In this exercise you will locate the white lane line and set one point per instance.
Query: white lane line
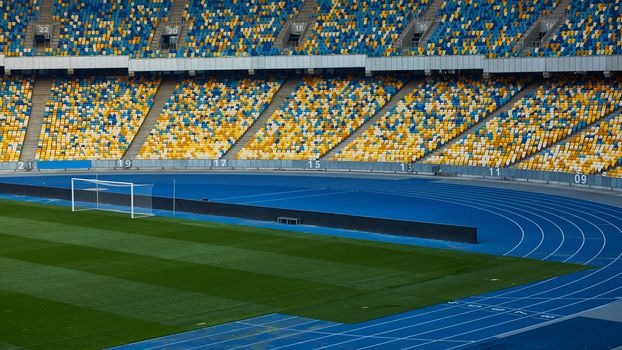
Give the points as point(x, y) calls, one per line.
point(267, 330)
point(213, 334)
point(604, 243)
point(421, 314)
point(510, 321)
point(550, 202)
point(408, 317)
point(319, 331)
point(268, 194)
point(494, 200)
point(542, 302)
point(298, 197)
point(520, 197)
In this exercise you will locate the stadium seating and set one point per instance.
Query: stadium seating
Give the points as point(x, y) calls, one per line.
point(107, 27)
point(94, 118)
point(591, 151)
point(319, 115)
point(13, 23)
point(554, 111)
point(236, 27)
point(205, 117)
point(360, 27)
point(489, 27)
point(594, 27)
point(615, 172)
point(434, 113)
point(15, 106)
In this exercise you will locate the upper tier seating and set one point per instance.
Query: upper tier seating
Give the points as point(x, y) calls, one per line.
point(360, 27)
point(236, 27)
point(370, 27)
point(430, 116)
point(615, 172)
point(594, 27)
point(15, 106)
point(591, 151)
point(490, 27)
point(554, 111)
point(13, 24)
point(318, 115)
point(94, 118)
point(205, 117)
point(107, 27)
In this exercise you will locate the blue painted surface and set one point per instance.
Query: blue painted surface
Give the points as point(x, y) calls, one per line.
point(510, 222)
point(64, 164)
point(574, 334)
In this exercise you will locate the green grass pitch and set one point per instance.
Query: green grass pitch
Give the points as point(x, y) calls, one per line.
point(92, 279)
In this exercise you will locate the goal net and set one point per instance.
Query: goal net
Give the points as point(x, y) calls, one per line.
point(123, 197)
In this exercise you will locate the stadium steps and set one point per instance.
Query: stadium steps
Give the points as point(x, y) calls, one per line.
point(428, 33)
point(165, 90)
point(528, 90)
point(46, 10)
point(548, 19)
point(429, 21)
point(403, 92)
point(29, 41)
point(403, 40)
point(305, 15)
point(604, 119)
point(431, 14)
point(558, 12)
point(522, 43)
point(286, 90)
point(280, 38)
point(175, 16)
point(40, 96)
point(45, 16)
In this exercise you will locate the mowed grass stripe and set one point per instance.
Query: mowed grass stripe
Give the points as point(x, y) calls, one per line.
point(144, 301)
point(255, 261)
point(35, 323)
point(6, 346)
point(322, 248)
point(242, 286)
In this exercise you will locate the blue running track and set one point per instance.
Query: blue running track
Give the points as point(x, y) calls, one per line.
point(510, 222)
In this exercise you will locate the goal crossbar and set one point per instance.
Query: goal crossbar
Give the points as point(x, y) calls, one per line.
point(116, 196)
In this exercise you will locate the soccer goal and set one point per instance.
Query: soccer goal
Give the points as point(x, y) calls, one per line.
point(122, 197)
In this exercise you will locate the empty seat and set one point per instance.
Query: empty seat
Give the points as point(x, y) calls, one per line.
point(94, 118)
point(593, 27)
point(318, 116)
point(107, 27)
point(485, 27)
point(434, 113)
point(367, 27)
point(593, 150)
point(15, 109)
point(554, 111)
point(205, 117)
point(236, 28)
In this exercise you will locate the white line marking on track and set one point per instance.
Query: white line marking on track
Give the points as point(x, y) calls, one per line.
point(269, 194)
point(298, 197)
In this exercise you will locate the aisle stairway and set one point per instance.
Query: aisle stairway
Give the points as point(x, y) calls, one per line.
point(405, 90)
point(287, 88)
point(166, 89)
point(40, 97)
point(529, 89)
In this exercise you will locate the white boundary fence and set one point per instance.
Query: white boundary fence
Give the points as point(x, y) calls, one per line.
point(506, 174)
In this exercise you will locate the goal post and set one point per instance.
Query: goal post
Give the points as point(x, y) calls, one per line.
point(123, 197)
